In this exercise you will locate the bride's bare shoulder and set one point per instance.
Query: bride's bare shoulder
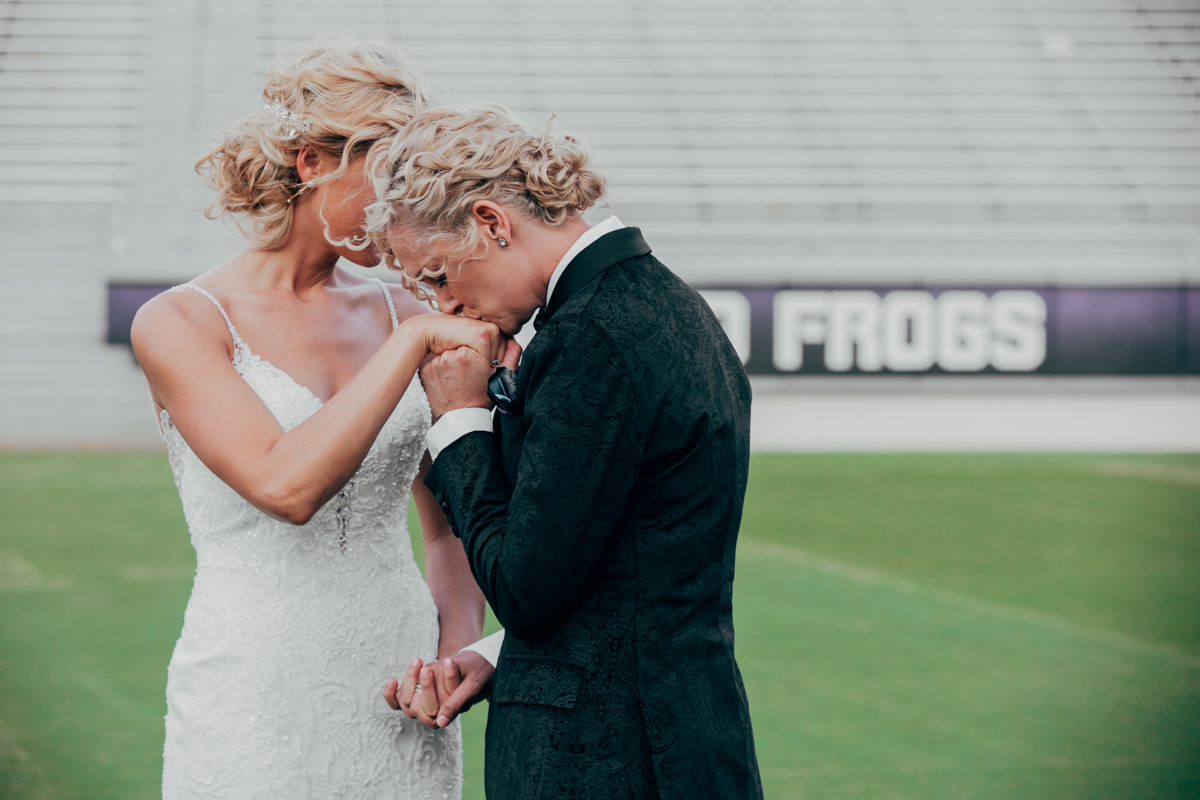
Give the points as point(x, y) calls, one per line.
point(407, 305)
point(366, 289)
point(177, 308)
point(175, 318)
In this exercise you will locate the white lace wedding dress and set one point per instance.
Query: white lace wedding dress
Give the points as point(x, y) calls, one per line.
point(275, 686)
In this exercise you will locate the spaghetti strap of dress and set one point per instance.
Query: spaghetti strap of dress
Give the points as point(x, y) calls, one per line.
point(387, 295)
point(238, 343)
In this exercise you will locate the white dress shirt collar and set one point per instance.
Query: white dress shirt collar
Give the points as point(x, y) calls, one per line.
point(590, 235)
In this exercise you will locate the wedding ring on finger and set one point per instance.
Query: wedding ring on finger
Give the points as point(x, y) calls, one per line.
point(417, 689)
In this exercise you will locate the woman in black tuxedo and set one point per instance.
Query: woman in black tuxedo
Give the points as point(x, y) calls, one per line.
point(600, 511)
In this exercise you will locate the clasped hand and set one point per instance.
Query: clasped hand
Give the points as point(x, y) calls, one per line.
point(446, 688)
point(458, 378)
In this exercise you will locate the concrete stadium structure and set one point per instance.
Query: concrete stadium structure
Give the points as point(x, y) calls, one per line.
point(993, 143)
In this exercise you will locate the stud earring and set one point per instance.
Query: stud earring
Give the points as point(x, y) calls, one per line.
point(503, 242)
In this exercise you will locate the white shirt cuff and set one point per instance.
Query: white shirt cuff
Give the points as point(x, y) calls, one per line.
point(455, 424)
point(488, 646)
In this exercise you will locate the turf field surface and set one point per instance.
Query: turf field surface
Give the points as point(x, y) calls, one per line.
point(967, 626)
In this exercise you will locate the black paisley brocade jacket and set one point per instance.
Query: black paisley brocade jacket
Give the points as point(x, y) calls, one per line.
point(600, 521)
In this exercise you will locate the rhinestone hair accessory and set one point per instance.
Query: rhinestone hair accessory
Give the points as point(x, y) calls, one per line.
point(290, 121)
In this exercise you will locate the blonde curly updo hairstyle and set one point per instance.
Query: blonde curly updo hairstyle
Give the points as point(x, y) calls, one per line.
point(343, 95)
point(446, 159)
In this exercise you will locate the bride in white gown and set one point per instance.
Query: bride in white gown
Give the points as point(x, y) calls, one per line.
point(295, 427)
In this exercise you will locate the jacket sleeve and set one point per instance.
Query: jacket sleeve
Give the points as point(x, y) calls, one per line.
point(532, 545)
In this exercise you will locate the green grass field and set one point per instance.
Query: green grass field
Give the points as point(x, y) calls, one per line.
point(919, 627)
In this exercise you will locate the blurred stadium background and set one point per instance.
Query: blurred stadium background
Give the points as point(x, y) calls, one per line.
point(944, 225)
point(1050, 146)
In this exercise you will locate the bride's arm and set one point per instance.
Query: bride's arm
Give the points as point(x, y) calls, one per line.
point(459, 601)
point(183, 350)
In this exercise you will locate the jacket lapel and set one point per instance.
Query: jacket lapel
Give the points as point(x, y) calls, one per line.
point(611, 248)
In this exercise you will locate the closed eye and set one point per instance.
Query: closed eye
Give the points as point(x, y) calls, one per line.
point(433, 281)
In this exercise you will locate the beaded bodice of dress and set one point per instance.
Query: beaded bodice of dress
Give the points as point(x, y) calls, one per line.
point(274, 689)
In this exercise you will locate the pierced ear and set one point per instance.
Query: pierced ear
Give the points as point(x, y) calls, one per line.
point(493, 218)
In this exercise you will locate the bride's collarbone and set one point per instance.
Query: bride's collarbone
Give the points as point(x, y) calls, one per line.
point(321, 367)
point(321, 358)
point(320, 340)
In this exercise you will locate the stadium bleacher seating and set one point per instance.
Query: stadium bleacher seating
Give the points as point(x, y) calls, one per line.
point(919, 111)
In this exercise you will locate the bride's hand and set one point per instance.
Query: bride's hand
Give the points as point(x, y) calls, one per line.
point(447, 688)
point(443, 332)
point(419, 694)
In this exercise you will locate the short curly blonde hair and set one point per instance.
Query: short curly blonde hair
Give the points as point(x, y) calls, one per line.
point(343, 95)
point(446, 159)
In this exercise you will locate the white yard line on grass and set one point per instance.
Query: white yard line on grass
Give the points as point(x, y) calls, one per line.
point(157, 574)
point(842, 569)
point(18, 575)
point(1150, 472)
point(97, 688)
